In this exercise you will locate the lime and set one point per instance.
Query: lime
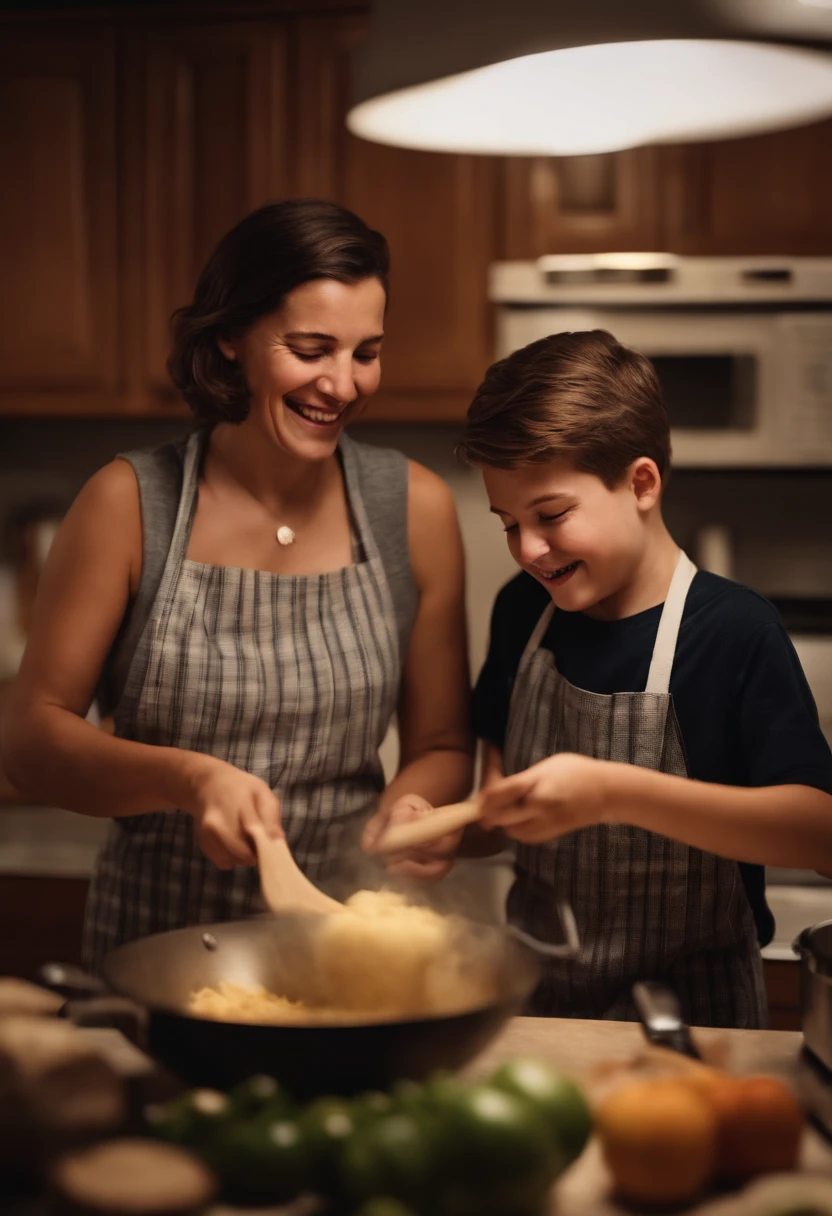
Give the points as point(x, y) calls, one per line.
point(326, 1125)
point(384, 1207)
point(258, 1095)
point(391, 1156)
point(496, 1154)
point(194, 1119)
point(557, 1098)
point(264, 1160)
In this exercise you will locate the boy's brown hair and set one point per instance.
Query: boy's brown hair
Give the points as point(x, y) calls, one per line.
point(579, 396)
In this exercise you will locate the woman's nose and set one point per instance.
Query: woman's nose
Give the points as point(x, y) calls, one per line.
point(338, 382)
point(532, 546)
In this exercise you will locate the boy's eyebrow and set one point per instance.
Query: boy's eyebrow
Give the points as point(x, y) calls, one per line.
point(534, 503)
point(302, 333)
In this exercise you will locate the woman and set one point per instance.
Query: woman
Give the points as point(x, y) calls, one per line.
point(254, 603)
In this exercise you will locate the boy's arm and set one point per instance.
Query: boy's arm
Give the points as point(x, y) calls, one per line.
point(785, 825)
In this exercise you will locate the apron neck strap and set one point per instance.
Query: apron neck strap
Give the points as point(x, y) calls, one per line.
point(661, 664)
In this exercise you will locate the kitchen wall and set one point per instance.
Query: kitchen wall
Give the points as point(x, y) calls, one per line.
point(778, 522)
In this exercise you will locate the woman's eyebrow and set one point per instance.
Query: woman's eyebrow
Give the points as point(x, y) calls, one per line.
point(303, 333)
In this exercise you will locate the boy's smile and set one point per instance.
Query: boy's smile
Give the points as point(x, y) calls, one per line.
point(588, 544)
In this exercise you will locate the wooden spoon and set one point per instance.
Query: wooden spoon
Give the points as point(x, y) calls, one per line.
point(438, 823)
point(285, 887)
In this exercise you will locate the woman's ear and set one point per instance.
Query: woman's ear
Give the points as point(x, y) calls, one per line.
point(646, 481)
point(227, 348)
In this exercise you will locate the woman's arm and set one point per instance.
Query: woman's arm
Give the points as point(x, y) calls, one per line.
point(49, 751)
point(436, 758)
point(784, 825)
point(436, 744)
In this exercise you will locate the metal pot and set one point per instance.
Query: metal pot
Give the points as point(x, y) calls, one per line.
point(814, 947)
point(155, 977)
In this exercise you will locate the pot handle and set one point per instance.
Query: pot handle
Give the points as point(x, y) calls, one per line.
point(90, 1004)
point(568, 948)
point(661, 1017)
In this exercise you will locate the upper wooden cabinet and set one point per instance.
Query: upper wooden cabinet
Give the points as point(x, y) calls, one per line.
point(206, 128)
point(769, 194)
point(59, 250)
point(130, 145)
point(581, 204)
point(438, 213)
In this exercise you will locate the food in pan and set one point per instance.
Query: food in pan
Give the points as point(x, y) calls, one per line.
point(381, 958)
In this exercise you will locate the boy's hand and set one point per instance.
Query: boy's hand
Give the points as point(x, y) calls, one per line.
point(558, 795)
point(429, 862)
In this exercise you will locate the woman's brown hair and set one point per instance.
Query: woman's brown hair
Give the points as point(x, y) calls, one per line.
point(580, 396)
point(249, 274)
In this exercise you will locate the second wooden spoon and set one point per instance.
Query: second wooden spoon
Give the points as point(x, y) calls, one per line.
point(428, 827)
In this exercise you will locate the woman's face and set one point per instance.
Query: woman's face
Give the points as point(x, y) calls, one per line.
point(311, 365)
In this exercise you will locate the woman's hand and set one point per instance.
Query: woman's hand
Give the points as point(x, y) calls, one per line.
point(226, 802)
point(556, 796)
point(430, 862)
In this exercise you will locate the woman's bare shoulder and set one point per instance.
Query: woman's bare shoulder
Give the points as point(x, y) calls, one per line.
point(107, 514)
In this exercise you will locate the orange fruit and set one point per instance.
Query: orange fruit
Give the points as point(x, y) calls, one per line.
point(658, 1139)
point(759, 1126)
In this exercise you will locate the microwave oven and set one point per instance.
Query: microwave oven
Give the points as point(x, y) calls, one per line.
point(742, 346)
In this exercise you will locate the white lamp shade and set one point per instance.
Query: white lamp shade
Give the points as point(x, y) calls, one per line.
point(729, 73)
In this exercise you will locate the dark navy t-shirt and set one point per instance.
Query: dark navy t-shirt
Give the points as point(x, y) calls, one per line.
point(744, 707)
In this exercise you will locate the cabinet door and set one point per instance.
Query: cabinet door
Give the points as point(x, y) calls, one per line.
point(207, 129)
point(581, 204)
point(438, 213)
point(771, 194)
point(59, 339)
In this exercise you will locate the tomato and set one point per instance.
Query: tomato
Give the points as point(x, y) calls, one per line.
point(326, 1125)
point(496, 1155)
point(264, 1159)
point(392, 1156)
point(558, 1100)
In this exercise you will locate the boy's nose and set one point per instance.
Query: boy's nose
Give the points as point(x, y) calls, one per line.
point(532, 547)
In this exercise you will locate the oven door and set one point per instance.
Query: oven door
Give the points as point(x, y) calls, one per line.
point(734, 381)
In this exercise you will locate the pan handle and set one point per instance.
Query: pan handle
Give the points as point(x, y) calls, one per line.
point(661, 1016)
point(90, 1003)
point(70, 981)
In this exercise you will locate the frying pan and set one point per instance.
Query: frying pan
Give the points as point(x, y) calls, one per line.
point(158, 974)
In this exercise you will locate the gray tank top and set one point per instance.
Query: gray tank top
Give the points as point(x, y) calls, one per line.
point(383, 481)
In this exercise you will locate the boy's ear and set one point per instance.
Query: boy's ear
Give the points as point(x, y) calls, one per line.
point(646, 481)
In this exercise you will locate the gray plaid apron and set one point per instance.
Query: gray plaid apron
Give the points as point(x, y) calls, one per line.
point(291, 678)
point(647, 907)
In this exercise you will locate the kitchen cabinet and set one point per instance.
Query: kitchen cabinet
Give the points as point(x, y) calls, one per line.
point(131, 143)
point(206, 135)
point(41, 919)
point(60, 307)
point(581, 204)
point(782, 979)
point(768, 194)
point(438, 213)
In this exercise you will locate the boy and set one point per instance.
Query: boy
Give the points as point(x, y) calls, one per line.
point(616, 673)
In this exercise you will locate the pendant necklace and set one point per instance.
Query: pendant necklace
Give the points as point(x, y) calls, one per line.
point(285, 535)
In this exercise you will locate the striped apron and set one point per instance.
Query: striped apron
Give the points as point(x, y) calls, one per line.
point(647, 907)
point(291, 678)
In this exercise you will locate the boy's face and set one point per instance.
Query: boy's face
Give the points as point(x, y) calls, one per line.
point(580, 539)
